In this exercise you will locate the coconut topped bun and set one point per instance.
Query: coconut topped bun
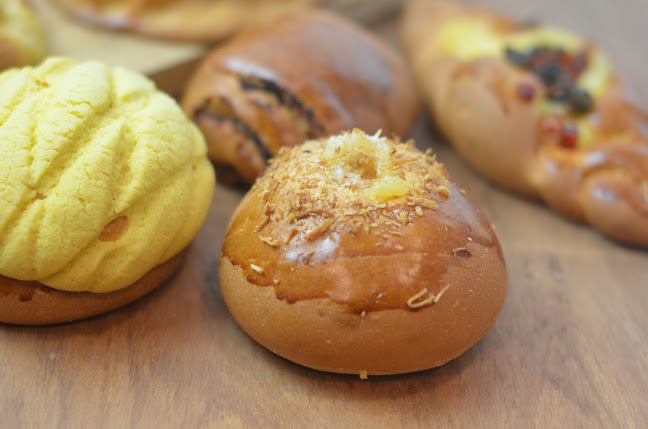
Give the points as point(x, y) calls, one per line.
point(357, 254)
point(102, 177)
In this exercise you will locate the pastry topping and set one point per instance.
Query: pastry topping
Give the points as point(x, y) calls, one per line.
point(441, 293)
point(414, 302)
point(270, 241)
point(564, 133)
point(569, 136)
point(256, 268)
point(350, 183)
point(363, 374)
point(558, 70)
point(443, 192)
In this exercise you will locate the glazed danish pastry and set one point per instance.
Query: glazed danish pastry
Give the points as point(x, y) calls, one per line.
point(537, 110)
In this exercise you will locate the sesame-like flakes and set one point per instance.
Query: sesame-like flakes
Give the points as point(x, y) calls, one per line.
point(316, 194)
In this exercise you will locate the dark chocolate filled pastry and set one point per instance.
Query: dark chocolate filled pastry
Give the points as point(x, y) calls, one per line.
point(307, 76)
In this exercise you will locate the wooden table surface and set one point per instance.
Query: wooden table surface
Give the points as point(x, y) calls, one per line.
point(570, 348)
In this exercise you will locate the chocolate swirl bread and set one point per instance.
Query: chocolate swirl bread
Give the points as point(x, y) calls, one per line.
point(308, 76)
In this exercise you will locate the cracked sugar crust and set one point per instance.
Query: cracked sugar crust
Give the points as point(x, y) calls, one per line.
point(84, 145)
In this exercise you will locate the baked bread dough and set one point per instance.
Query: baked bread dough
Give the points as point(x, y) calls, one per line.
point(310, 75)
point(356, 254)
point(109, 182)
point(188, 20)
point(22, 35)
point(537, 110)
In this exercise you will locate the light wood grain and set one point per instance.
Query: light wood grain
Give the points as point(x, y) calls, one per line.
point(570, 348)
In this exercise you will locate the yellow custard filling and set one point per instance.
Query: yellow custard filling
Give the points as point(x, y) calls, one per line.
point(472, 38)
point(366, 159)
point(102, 177)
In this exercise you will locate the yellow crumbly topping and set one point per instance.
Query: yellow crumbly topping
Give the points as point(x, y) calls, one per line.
point(20, 27)
point(351, 182)
point(102, 177)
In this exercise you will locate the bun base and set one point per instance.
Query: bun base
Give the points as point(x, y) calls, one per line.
point(32, 303)
point(326, 336)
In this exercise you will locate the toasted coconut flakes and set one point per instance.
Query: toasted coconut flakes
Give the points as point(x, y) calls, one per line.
point(432, 205)
point(444, 192)
point(256, 268)
point(315, 184)
point(269, 241)
point(363, 374)
point(363, 314)
point(263, 223)
point(290, 235)
point(318, 230)
point(413, 302)
point(441, 292)
point(470, 239)
point(275, 281)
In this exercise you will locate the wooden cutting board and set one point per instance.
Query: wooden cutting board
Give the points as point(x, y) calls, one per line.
point(570, 348)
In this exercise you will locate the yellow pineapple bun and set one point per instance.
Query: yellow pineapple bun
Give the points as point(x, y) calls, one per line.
point(103, 183)
point(22, 36)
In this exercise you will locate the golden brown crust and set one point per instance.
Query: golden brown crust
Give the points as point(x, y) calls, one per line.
point(31, 303)
point(327, 336)
point(477, 106)
point(313, 74)
point(186, 20)
point(22, 36)
point(346, 284)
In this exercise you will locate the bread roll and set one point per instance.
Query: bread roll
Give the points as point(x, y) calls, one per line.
point(103, 182)
point(537, 110)
point(356, 254)
point(186, 20)
point(309, 75)
point(22, 35)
